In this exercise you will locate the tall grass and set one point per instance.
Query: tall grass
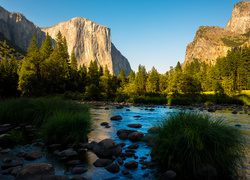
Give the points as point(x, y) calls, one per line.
point(187, 141)
point(35, 111)
point(67, 128)
point(48, 114)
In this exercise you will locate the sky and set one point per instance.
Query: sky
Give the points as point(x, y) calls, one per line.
point(147, 32)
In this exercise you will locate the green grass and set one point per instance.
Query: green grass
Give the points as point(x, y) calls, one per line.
point(44, 113)
point(188, 140)
point(67, 128)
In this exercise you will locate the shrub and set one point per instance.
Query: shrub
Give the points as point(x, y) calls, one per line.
point(180, 100)
point(67, 128)
point(187, 141)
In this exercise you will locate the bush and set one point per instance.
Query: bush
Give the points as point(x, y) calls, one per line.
point(187, 141)
point(67, 128)
point(180, 100)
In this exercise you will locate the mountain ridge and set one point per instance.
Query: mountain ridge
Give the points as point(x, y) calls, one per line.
point(211, 42)
point(89, 40)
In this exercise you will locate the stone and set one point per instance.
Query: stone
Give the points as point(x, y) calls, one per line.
point(170, 174)
point(106, 108)
point(16, 170)
point(234, 112)
point(5, 128)
point(237, 125)
point(34, 169)
point(119, 107)
point(21, 153)
point(120, 161)
point(107, 148)
point(126, 131)
point(104, 124)
point(152, 130)
point(135, 125)
point(9, 170)
point(131, 165)
point(135, 136)
point(34, 155)
point(116, 118)
point(125, 172)
point(102, 162)
point(113, 167)
point(13, 163)
point(145, 175)
point(6, 160)
point(133, 146)
point(79, 177)
point(79, 170)
point(211, 110)
point(138, 116)
point(67, 153)
point(74, 162)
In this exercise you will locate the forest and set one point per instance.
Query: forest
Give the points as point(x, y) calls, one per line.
point(50, 71)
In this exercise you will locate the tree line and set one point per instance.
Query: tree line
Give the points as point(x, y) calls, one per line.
point(49, 70)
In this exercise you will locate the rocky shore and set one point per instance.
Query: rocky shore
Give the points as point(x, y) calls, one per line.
point(29, 161)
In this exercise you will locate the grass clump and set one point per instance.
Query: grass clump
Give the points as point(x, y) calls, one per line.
point(67, 128)
point(187, 141)
point(67, 119)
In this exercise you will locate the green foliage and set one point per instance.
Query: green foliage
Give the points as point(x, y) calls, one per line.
point(233, 41)
point(148, 100)
point(35, 111)
point(54, 117)
point(176, 100)
point(187, 141)
point(77, 126)
point(92, 92)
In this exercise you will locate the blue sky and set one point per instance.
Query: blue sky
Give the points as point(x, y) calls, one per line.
point(148, 32)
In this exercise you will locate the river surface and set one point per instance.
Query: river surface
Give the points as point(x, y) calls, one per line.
point(147, 119)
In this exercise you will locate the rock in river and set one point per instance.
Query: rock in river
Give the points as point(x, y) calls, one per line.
point(107, 148)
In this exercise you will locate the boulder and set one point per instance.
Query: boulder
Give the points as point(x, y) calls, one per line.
point(116, 118)
point(67, 153)
point(5, 128)
point(113, 167)
point(107, 148)
point(133, 146)
point(79, 170)
point(21, 153)
point(131, 165)
point(135, 136)
point(13, 163)
point(34, 155)
point(135, 125)
point(102, 162)
point(30, 171)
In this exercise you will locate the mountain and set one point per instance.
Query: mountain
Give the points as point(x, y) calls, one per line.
point(89, 40)
point(211, 42)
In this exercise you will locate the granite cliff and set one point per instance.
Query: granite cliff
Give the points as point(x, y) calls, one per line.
point(89, 40)
point(211, 42)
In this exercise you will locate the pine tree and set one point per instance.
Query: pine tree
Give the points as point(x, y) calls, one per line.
point(152, 85)
point(122, 78)
point(46, 48)
point(30, 73)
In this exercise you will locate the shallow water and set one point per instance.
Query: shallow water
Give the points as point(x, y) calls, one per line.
point(147, 119)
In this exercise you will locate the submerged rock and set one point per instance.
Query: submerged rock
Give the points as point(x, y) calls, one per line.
point(116, 118)
point(34, 155)
point(30, 171)
point(102, 162)
point(107, 148)
point(113, 168)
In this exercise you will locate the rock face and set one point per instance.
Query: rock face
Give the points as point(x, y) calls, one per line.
point(240, 21)
point(15, 27)
point(89, 40)
point(211, 42)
